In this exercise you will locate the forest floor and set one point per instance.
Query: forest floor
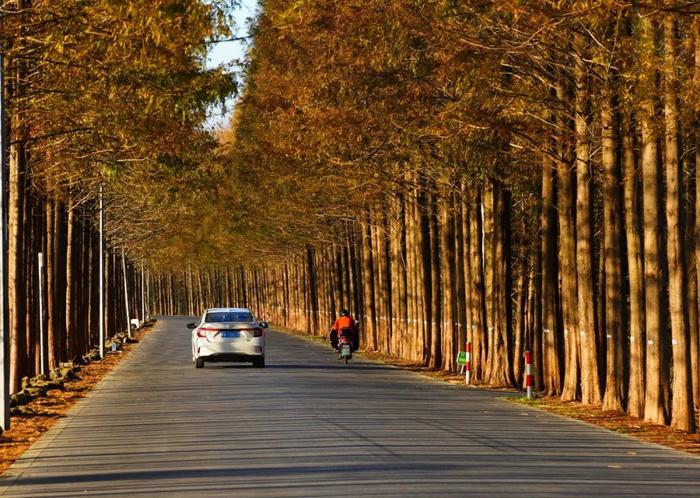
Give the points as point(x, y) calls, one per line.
point(614, 421)
point(26, 429)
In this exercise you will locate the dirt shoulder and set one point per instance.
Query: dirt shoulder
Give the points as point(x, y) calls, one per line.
point(614, 421)
point(619, 422)
point(44, 412)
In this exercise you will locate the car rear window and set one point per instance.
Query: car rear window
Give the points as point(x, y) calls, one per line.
point(228, 316)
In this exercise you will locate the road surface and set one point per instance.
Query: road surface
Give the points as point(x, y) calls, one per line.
point(308, 425)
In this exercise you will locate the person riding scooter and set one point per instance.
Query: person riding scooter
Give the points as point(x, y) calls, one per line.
point(345, 330)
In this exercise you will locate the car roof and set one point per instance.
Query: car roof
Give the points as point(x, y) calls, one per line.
point(231, 310)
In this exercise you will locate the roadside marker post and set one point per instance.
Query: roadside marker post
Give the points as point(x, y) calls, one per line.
point(529, 378)
point(461, 361)
point(464, 362)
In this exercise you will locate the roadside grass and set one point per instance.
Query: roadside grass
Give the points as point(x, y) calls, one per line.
point(25, 430)
point(615, 421)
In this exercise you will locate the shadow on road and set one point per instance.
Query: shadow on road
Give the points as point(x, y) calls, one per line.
point(330, 367)
point(236, 474)
point(295, 366)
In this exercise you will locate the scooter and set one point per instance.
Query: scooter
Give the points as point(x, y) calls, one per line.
point(344, 345)
point(345, 351)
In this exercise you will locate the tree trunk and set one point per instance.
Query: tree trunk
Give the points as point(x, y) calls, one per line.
point(635, 270)
point(462, 269)
point(487, 203)
point(550, 331)
point(499, 352)
point(369, 311)
point(567, 263)
point(696, 248)
point(448, 274)
point(655, 404)
point(478, 333)
point(588, 348)
point(519, 345)
point(435, 359)
point(425, 261)
point(613, 267)
point(16, 276)
point(70, 282)
point(682, 414)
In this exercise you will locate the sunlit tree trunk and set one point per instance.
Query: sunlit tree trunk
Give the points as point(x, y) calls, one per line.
point(448, 274)
point(682, 414)
point(479, 337)
point(15, 247)
point(435, 359)
point(550, 295)
point(487, 204)
point(499, 353)
point(395, 226)
point(635, 270)
point(567, 260)
point(695, 356)
point(70, 281)
point(519, 344)
point(613, 266)
point(587, 341)
point(370, 312)
point(655, 405)
point(425, 261)
point(461, 268)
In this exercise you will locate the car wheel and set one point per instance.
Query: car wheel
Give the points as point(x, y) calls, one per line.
point(259, 362)
point(199, 363)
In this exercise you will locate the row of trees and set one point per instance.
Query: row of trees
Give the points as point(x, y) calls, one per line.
point(100, 95)
point(520, 175)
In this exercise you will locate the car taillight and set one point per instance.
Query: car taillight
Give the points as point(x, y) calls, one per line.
point(203, 332)
point(257, 332)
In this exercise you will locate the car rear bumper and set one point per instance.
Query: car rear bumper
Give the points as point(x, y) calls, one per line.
point(230, 352)
point(231, 357)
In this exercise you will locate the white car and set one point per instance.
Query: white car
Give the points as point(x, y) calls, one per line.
point(228, 334)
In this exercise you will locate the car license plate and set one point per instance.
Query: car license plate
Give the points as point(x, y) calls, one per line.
point(230, 334)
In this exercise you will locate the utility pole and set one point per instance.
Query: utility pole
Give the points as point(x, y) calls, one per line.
point(102, 277)
point(42, 340)
point(4, 302)
point(148, 293)
point(143, 293)
point(126, 296)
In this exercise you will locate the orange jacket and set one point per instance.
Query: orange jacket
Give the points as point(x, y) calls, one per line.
point(344, 322)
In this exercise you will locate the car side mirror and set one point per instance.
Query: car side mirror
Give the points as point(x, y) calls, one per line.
point(191, 326)
point(264, 324)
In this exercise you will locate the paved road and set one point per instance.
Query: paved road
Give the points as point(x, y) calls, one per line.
point(309, 426)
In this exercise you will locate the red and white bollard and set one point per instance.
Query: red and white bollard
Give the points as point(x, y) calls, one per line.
point(468, 363)
point(529, 378)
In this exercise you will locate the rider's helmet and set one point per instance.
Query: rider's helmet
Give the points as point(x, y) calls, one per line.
point(344, 312)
